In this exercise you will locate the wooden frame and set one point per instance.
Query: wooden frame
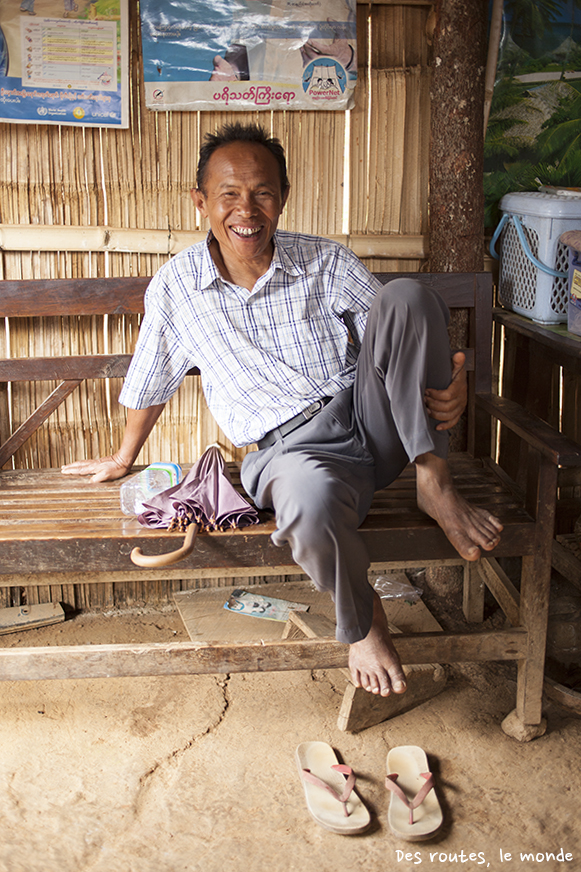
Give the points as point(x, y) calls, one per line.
point(54, 545)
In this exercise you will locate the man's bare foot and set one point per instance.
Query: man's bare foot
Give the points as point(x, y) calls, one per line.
point(468, 527)
point(373, 662)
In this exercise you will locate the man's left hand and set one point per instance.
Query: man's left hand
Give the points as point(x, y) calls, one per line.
point(447, 406)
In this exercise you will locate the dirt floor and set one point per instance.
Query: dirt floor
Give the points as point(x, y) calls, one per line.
point(198, 773)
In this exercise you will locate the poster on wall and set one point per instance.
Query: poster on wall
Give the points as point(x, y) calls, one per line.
point(533, 137)
point(64, 62)
point(249, 54)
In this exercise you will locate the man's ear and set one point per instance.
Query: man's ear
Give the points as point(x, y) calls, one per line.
point(199, 201)
point(285, 194)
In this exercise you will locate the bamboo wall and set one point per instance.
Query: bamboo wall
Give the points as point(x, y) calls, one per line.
point(358, 173)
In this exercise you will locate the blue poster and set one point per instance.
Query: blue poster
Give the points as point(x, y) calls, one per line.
point(64, 62)
point(249, 54)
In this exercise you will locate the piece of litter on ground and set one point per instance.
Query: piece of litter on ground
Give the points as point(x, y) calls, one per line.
point(393, 588)
point(244, 602)
point(18, 618)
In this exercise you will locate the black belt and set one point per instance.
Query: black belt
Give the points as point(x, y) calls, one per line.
point(279, 432)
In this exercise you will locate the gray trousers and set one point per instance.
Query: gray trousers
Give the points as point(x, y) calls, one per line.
point(320, 479)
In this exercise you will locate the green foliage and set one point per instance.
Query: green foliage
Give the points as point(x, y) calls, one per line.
point(512, 161)
point(519, 176)
point(530, 19)
point(560, 139)
point(501, 145)
point(507, 92)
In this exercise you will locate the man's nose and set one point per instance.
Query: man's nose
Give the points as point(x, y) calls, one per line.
point(247, 203)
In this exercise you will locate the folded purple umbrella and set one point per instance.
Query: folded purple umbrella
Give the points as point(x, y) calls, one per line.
point(205, 500)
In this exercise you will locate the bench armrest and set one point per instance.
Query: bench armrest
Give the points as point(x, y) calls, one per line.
point(561, 450)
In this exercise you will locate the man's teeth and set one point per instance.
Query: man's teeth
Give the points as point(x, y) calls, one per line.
point(246, 231)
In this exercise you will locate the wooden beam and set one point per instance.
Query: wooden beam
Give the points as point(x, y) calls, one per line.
point(100, 296)
point(35, 237)
point(71, 367)
point(473, 594)
point(33, 422)
point(188, 658)
point(501, 587)
point(555, 446)
point(565, 562)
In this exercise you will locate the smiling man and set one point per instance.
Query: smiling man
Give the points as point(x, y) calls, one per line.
point(340, 382)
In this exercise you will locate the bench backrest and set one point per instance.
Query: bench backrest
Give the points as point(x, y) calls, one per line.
point(124, 296)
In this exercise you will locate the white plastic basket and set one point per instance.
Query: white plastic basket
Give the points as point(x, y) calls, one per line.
point(533, 278)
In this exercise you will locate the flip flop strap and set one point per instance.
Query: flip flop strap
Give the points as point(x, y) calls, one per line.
point(349, 784)
point(390, 783)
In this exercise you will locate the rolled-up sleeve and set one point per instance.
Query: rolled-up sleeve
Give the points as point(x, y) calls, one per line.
point(160, 362)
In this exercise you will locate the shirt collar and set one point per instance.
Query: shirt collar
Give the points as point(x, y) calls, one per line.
point(209, 271)
point(281, 259)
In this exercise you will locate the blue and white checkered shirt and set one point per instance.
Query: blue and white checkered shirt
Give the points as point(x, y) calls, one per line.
point(264, 355)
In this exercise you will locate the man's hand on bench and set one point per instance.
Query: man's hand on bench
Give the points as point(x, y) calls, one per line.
point(101, 469)
point(139, 425)
point(447, 406)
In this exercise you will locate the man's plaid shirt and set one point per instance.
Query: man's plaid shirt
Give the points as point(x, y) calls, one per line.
point(264, 355)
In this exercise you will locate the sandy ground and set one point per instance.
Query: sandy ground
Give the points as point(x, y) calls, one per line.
point(198, 773)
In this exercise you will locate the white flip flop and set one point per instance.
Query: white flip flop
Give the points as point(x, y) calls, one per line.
point(329, 790)
point(414, 811)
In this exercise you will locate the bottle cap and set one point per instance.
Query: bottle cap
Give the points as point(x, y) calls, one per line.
point(174, 470)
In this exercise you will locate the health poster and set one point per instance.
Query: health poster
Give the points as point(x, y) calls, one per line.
point(64, 62)
point(249, 54)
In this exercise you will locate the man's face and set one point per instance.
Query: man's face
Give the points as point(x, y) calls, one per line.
point(242, 199)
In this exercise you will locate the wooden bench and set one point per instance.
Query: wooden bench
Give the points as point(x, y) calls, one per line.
point(59, 530)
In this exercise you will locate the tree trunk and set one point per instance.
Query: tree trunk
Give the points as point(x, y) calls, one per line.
point(456, 149)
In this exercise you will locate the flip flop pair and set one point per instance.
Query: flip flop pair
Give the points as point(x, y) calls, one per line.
point(414, 811)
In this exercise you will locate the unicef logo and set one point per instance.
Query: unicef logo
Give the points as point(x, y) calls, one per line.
point(324, 79)
point(42, 110)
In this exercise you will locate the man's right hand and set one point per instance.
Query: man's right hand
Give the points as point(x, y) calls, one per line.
point(139, 425)
point(101, 469)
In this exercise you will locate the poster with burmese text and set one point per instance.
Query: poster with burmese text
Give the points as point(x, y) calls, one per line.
point(249, 54)
point(64, 62)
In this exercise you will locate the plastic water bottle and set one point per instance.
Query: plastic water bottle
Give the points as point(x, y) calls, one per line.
point(141, 487)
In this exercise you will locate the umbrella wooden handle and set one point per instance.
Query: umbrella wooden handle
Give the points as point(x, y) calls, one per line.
point(157, 560)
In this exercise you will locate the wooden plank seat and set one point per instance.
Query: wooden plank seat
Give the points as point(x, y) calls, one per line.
point(50, 523)
point(55, 529)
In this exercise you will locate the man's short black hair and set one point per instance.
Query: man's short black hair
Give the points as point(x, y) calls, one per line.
point(240, 133)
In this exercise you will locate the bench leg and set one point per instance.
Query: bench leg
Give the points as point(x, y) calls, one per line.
point(473, 594)
point(526, 721)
